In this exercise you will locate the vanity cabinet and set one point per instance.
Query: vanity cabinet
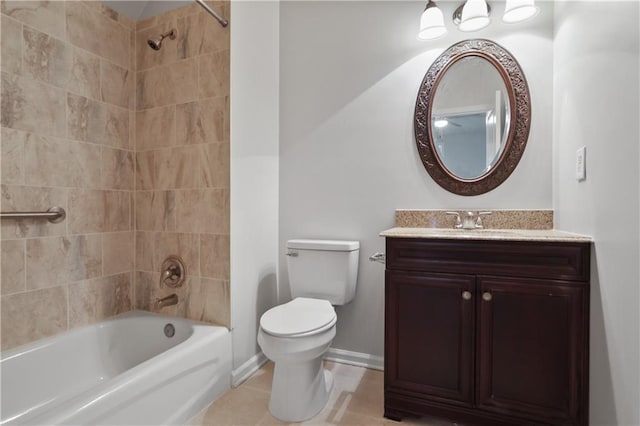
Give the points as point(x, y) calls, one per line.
point(487, 332)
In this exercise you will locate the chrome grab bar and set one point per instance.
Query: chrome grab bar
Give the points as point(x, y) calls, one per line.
point(54, 215)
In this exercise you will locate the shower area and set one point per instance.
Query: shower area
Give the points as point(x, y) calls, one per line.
point(125, 125)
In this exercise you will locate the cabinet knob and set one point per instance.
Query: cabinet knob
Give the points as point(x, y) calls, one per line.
point(466, 295)
point(486, 296)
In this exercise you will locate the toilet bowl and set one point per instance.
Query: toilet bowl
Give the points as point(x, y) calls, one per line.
point(295, 336)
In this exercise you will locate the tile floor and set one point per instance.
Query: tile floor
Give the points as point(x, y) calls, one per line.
point(356, 399)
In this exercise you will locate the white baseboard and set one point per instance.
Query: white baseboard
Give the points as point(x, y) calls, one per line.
point(242, 373)
point(355, 358)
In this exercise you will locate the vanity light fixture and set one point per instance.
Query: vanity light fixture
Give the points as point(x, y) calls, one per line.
point(441, 122)
point(431, 22)
point(519, 10)
point(472, 15)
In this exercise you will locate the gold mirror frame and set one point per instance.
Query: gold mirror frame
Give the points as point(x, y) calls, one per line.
point(519, 107)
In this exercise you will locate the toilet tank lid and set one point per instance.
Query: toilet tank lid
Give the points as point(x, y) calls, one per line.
point(328, 245)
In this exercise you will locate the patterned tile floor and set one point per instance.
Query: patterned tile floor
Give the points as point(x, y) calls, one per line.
point(356, 399)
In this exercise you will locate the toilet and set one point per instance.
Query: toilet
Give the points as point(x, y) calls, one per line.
point(297, 334)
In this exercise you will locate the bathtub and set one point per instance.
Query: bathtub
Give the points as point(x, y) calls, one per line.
point(123, 371)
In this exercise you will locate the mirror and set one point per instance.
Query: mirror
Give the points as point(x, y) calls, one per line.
point(472, 117)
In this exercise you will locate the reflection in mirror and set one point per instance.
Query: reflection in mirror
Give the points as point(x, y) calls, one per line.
point(472, 117)
point(470, 114)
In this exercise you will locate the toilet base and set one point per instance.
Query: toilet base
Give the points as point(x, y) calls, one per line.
point(300, 390)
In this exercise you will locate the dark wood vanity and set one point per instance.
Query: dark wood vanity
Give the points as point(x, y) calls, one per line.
point(487, 332)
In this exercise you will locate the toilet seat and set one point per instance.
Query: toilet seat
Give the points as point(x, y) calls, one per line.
point(301, 317)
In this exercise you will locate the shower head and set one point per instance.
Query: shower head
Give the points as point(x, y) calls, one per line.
point(156, 43)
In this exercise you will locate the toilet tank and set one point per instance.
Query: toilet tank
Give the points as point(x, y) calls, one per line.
point(323, 269)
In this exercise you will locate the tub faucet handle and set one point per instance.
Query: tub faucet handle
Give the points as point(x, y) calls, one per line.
point(172, 272)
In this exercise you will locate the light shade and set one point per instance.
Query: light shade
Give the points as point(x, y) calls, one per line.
point(519, 10)
point(474, 16)
point(431, 22)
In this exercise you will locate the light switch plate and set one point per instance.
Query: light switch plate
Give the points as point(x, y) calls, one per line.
point(581, 163)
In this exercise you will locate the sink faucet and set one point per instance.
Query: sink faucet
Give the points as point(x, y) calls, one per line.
point(170, 300)
point(469, 221)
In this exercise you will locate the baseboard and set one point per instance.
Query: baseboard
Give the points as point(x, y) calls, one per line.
point(355, 358)
point(242, 373)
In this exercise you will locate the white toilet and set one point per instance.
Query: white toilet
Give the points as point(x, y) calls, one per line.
point(297, 334)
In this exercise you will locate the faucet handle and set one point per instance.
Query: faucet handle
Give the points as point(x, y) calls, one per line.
point(479, 224)
point(458, 224)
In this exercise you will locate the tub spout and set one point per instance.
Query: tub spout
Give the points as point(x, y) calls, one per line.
point(170, 300)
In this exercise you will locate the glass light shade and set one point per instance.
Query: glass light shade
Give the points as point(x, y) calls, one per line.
point(431, 23)
point(441, 122)
point(519, 10)
point(475, 16)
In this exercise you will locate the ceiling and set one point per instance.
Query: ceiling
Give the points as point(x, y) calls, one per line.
point(141, 9)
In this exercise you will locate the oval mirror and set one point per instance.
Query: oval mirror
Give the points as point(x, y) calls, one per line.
point(472, 117)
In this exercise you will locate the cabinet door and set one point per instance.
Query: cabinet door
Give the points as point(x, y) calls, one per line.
point(532, 348)
point(429, 335)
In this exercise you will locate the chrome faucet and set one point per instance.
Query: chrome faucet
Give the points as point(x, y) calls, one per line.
point(469, 221)
point(170, 300)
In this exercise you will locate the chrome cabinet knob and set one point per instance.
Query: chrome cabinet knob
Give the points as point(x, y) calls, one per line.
point(466, 295)
point(486, 296)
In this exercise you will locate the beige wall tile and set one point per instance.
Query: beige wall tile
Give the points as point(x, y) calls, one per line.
point(46, 58)
point(57, 260)
point(84, 78)
point(95, 300)
point(175, 83)
point(20, 325)
point(214, 256)
point(117, 84)
point(58, 162)
point(86, 119)
point(47, 16)
point(178, 167)
point(13, 266)
point(155, 128)
point(197, 34)
point(152, 248)
point(95, 32)
point(202, 121)
point(117, 252)
point(208, 300)
point(149, 58)
point(12, 156)
point(117, 127)
point(214, 74)
point(11, 45)
point(32, 106)
point(203, 211)
point(155, 210)
point(117, 169)
point(215, 164)
point(29, 198)
point(132, 130)
point(98, 211)
point(145, 170)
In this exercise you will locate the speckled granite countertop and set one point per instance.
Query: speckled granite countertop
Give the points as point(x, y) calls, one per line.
point(550, 235)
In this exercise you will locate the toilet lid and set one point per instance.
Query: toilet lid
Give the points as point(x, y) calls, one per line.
point(300, 316)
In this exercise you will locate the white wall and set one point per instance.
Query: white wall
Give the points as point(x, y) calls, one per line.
point(254, 170)
point(349, 76)
point(596, 104)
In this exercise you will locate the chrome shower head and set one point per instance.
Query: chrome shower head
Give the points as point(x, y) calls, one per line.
point(156, 43)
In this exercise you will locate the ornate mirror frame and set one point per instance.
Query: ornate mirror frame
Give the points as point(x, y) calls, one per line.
point(519, 107)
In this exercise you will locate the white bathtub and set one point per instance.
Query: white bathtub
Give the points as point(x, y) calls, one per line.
point(123, 371)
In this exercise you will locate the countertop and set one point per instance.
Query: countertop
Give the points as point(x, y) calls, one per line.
point(550, 235)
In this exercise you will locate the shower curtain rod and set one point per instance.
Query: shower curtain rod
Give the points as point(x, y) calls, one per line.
point(213, 13)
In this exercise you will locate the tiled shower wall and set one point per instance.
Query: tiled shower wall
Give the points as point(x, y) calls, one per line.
point(67, 140)
point(182, 161)
point(69, 90)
